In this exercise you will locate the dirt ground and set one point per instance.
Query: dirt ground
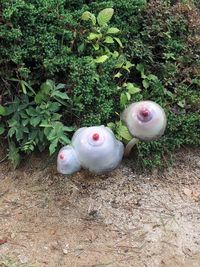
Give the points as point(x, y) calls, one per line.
point(123, 219)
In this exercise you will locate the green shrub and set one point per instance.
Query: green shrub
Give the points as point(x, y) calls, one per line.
point(62, 66)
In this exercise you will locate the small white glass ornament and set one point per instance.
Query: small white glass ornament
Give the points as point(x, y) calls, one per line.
point(67, 161)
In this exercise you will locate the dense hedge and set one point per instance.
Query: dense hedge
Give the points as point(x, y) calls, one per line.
point(49, 76)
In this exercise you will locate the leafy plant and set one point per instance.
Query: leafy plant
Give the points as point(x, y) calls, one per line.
point(80, 63)
point(37, 123)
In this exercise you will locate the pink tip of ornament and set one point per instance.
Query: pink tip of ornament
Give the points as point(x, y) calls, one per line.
point(62, 156)
point(144, 112)
point(95, 136)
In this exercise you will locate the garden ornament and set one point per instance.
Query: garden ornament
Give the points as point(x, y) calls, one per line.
point(67, 161)
point(96, 148)
point(145, 120)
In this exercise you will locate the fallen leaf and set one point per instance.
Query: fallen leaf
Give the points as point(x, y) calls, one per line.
point(190, 193)
point(187, 192)
point(3, 240)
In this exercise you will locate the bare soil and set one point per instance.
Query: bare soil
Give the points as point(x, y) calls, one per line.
point(123, 219)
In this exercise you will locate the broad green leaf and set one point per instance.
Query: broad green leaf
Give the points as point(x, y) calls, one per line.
point(89, 16)
point(93, 36)
point(124, 133)
point(140, 67)
point(132, 89)
point(118, 75)
point(118, 41)
point(101, 59)
point(128, 65)
point(44, 91)
point(86, 15)
point(145, 84)
point(120, 62)
point(2, 111)
point(113, 30)
point(68, 129)
point(47, 87)
point(105, 16)
point(152, 77)
point(60, 86)
point(81, 48)
point(128, 96)
point(34, 121)
point(182, 103)
point(65, 140)
point(53, 145)
point(60, 95)
point(96, 47)
point(109, 40)
point(115, 54)
point(2, 130)
point(31, 112)
point(123, 100)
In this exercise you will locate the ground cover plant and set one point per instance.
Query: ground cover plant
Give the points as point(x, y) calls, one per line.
point(66, 64)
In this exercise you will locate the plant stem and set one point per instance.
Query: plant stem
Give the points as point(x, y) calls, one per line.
point(129, 146)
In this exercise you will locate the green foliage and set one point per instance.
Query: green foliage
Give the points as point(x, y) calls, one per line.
point(66, 64)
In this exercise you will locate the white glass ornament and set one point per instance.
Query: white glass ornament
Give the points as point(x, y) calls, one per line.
point(97, 149)
point(67, 161)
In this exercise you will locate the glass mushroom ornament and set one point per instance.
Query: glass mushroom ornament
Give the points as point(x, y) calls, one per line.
point(94, 148)
point(145, 120)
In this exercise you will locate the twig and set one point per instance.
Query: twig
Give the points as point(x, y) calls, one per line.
point(2, 160)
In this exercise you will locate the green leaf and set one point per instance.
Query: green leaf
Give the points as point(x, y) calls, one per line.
point(53, 145)
point(89, 16)
point(23, 87)
point(140, 68)
point(132, 89)
point(118, 75)
point(105, 16)
point(2, 130)
point(68, 129)
point(65, 140)
point(13, 154)
point(115, 54)
point(34, 121)
point(152, 77)
point(182, 103)
point(81, 48)
point(93, 36)
point(113, 30)
point(60, 95)
point(128, 96)
point(119, 42)
point(123, 100)
point(128, 65)
point(2, 111)
point(44, 91)
point(109, 40)
point(96, 47)
point(145, 84)
point(111, 125)
point(86, 15)
point(101, 59)
point(124, 133)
